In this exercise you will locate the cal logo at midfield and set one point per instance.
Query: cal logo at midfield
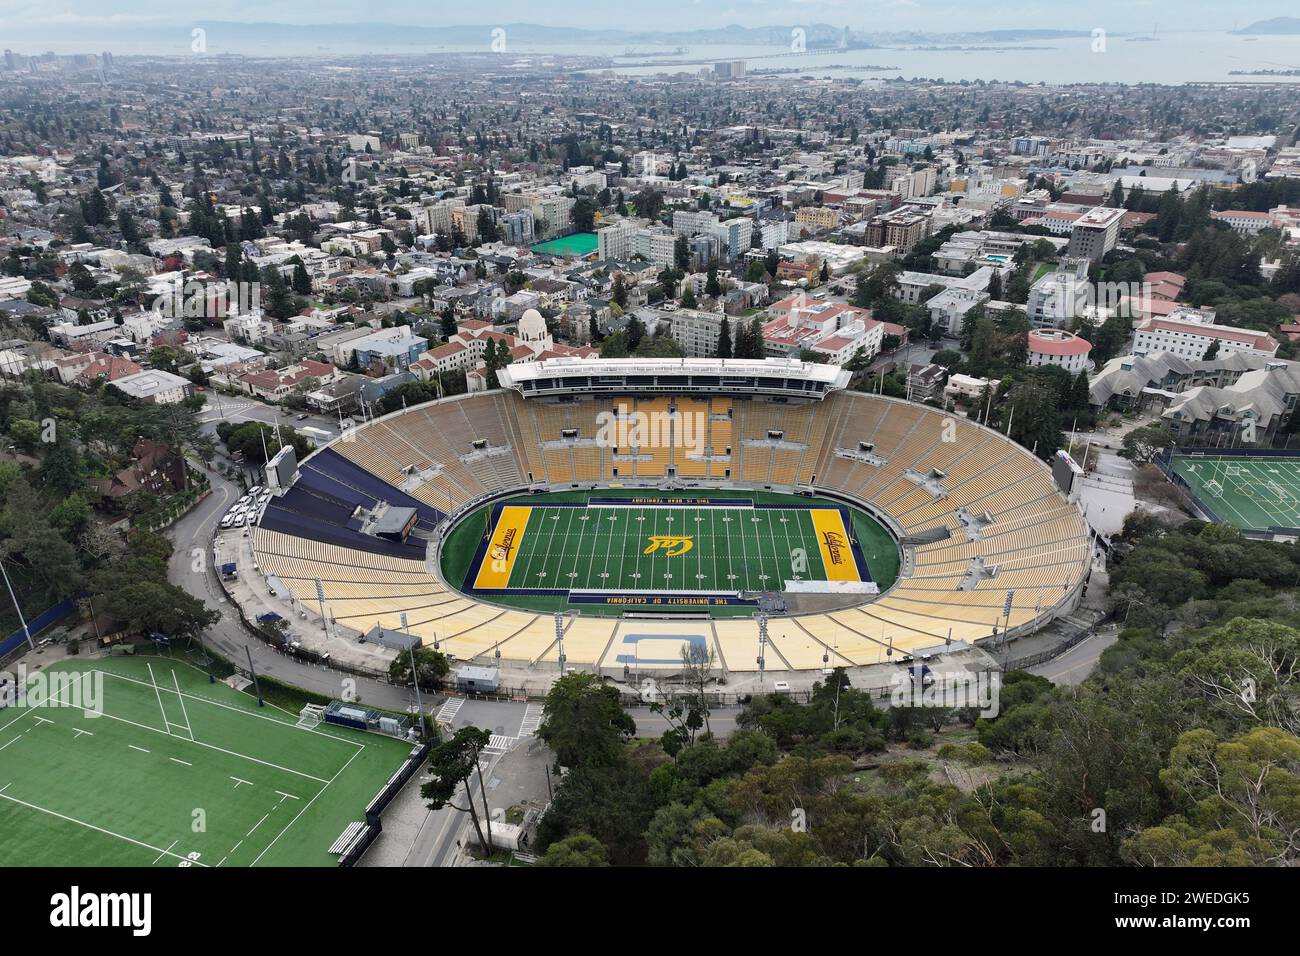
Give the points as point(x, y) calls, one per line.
point(671, 545)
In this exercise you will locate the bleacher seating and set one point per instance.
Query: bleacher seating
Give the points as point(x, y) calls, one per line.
point(1036, 540)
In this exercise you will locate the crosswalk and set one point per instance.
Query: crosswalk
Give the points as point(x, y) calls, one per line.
point(497, 743)
point(532, 717)
point(448, 711)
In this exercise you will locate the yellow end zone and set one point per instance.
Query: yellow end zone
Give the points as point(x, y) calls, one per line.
point(499, 561)
point(834, 543)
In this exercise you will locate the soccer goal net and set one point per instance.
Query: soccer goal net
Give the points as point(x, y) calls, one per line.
point(311, 715)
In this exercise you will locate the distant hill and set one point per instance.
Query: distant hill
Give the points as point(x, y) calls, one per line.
point(1278, 25)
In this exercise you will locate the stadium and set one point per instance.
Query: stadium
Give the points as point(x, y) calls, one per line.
point(612, 511)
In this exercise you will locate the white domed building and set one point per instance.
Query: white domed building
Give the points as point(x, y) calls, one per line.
point(533, 332)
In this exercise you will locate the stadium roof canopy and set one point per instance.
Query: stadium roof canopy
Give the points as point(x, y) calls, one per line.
point(776, 376)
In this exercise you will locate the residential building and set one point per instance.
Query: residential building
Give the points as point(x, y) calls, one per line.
point(1094, 233)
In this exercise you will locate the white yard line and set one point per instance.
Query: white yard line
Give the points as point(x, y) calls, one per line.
point(238, 710)
point(304, 809)
point(90, 826)
point(185, 713)
point(167, 724)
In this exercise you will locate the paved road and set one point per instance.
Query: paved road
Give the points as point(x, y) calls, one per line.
point(722, 721)
point(191, 569)
point(1074, 666)
point(248, 409)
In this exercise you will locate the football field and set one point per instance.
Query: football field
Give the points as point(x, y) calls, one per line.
point(1251, 493)
point(142, 762)
point(706, 547)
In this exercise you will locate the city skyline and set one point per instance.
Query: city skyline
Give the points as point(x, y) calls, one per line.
point(29, 20)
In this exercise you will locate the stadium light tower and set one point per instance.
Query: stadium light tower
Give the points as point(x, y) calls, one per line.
point(559, 637)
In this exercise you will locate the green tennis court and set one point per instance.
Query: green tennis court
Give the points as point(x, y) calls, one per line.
point(142, 762)
point(1253, 493)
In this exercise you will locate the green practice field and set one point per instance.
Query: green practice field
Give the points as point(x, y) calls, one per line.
point(578, 244)
point(580, 548)
point(1251, 493)
point(175, 771)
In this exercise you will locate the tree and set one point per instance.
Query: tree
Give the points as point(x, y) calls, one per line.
point(724, 338)
point(1240, 800)
point(584, 722)
point(452, 764)
point(430, 667)
point(1144, 443)
point(581, 849)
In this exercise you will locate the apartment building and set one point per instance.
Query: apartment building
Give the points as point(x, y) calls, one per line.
point(817, 218)
point(696, 332)
point(616, 241)
point(900, 228)
point(1094, 233)
point(1058, 297)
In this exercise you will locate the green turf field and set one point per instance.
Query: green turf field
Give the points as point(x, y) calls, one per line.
point(655, 544)
point(175, 771)
point(577, 244)
point(1251, 493)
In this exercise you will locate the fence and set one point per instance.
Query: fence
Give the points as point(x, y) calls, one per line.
point(36, 625)
point(1042, 657)
point(374, 810)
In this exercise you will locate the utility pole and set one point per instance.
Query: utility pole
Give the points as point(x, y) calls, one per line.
point(253, 671)
point(26, 631)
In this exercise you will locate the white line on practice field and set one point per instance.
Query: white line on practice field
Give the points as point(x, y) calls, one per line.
point(238, 781)
point(141, 749)
point(80, 733)
point(231, 753)
point(167, 724)
point(304, 809)
point(91, 826)
point(11, 741)
point(288, 796)
point(164, 852)
point(256, 825)
point(179, 761)
point(238, 710)
point(184, 713)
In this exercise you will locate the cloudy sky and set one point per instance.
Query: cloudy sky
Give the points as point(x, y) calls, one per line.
point(55, 18)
